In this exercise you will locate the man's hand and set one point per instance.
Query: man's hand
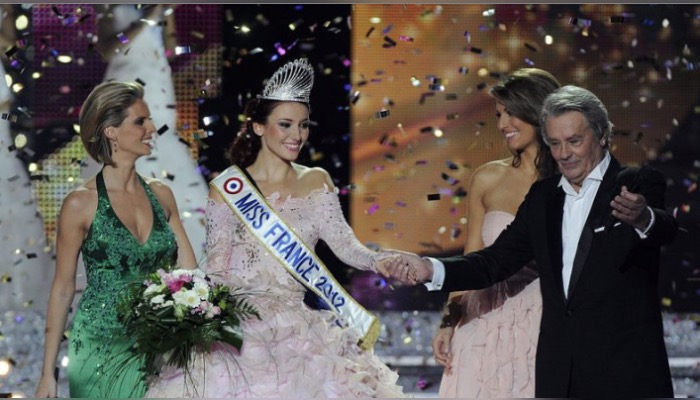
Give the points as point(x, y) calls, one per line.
point(631, 208)
point(406, 267)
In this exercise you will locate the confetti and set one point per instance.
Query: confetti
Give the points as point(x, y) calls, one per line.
point(580, 22)
point(122, 38)
point(183, 50)
point(10, 117)
point(389, 42)
point(424, 96)
point(383, 140)
point(639, 137)
point(423, 383)
point(373, 209)
point(354, 97)
point(434, 196)
point(69, 19)
point(17, 64)
point(382, 114)
point(405, 38)
point(9, 53)
point(616, 19)
point(210, 119)
point(449, 179)
point(163, 129)
point(369, 32)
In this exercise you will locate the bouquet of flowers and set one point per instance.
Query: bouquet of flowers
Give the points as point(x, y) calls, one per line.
point(173, 313)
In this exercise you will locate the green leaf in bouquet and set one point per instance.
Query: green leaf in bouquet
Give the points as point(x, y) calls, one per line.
point(128, 301)
point(233, 335)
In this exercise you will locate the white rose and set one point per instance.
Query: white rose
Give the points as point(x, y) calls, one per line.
point(188, 298)
point(202, 290)
point(158, 299)
point(181, 271)
point(153, 288)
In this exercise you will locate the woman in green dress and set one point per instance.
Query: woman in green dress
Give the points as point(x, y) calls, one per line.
point(125, 226)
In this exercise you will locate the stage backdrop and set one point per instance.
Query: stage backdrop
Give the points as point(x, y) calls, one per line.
point(422, 119)
point(415, 85)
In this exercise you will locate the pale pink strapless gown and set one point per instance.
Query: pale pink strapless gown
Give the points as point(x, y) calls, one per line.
point(494, 354)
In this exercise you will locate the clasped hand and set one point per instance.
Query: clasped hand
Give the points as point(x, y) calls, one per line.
point(405, 267)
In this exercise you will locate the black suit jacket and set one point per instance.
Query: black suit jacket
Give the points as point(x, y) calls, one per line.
point(606, 337)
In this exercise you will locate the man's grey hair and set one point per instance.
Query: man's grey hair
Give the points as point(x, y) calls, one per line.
point(574, 98)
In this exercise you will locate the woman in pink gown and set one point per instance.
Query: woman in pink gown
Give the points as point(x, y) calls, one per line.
point(488, 338)
point(292, 351)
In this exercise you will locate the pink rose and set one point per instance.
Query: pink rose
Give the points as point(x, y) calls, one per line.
point(175, 285)
point(213, 312)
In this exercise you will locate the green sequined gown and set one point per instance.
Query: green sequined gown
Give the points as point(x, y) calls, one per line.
point(99, 361)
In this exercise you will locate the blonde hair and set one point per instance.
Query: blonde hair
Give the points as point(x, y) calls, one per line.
point(107, 105)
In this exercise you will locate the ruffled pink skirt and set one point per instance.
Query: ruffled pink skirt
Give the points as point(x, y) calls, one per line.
point(291, 352)
point(493, 356)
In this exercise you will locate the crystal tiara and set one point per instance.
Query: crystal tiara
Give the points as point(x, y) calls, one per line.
point(292, 82)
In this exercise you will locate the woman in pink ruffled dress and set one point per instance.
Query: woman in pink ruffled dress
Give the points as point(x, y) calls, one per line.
point(292, 351)
point(488, 338)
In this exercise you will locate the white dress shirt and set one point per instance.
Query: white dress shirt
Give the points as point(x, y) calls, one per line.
point(577, 206)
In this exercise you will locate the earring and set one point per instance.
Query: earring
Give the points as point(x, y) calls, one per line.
point(114, 146)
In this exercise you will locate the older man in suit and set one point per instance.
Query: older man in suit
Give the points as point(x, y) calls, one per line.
point(595, 233)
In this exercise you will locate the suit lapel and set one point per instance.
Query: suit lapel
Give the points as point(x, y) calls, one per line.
point(555, 214)
point(600, 210)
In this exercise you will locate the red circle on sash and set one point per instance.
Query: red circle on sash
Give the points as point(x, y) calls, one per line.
point(233, 185)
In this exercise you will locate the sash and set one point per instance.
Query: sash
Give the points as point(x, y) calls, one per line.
point(298, 259)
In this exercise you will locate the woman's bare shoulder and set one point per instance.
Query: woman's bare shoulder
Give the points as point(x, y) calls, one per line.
point(81, 201)
point(492, 171)
point(312, 178)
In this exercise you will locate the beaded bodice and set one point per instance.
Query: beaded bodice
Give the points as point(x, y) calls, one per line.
point(238, 258)
point(113, 256)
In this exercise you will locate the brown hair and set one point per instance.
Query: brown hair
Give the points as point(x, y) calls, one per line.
point(107, 105)
point(523, 93)
point(246, 146)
